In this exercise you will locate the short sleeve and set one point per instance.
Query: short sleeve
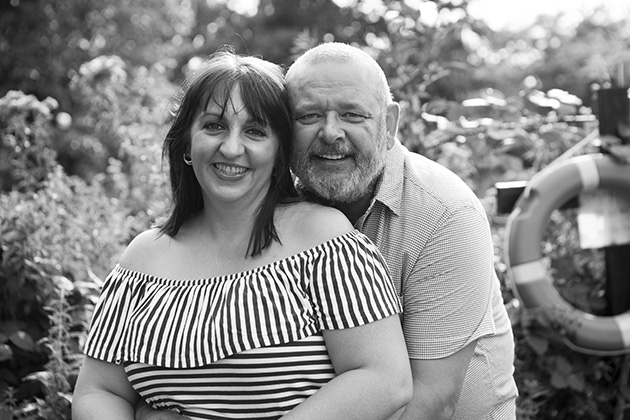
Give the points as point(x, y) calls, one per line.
point(110, 318)
point(448, 295)
point(351, 284)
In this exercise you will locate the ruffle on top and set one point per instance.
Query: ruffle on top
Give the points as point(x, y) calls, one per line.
point(338, 284)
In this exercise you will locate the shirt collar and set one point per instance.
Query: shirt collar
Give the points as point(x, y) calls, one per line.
point(389, 188)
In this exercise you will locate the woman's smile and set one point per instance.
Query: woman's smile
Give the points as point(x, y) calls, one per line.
point(230, 171)
point(233, 154)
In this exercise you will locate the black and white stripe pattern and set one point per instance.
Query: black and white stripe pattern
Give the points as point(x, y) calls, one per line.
point(262, 383)
point(261, 325)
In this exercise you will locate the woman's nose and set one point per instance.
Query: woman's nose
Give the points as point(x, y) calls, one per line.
point(232, 145)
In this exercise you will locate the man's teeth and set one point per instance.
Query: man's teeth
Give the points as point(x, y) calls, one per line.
point(332, 157)
point(230, 170)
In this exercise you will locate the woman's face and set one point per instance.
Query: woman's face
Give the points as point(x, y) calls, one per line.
point(232, 155)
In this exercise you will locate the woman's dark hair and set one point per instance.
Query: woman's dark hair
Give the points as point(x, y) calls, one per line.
point(261, 85)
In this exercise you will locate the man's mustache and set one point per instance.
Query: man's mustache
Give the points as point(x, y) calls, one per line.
point(334, 149)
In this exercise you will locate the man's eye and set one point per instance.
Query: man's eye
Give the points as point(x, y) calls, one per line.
point(354, 117)
point(309, 118)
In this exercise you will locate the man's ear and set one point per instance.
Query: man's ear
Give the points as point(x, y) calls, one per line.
point(391, 123)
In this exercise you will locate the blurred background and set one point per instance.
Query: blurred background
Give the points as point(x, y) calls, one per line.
point(493, 89)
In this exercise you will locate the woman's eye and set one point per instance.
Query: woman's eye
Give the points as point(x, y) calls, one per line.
point(258, 132)
point(212, 126)
point(309, 118)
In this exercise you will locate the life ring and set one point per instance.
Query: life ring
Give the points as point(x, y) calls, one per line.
point(526, 224)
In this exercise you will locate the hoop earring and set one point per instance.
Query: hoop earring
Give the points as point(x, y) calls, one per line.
point(187, 159)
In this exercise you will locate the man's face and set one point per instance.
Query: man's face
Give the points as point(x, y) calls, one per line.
point(340, 134)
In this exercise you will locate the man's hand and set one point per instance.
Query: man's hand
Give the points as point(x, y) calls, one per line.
point(145, 412)
point(437, 385)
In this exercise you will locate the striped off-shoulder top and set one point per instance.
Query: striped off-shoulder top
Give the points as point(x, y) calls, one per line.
point(245, 345)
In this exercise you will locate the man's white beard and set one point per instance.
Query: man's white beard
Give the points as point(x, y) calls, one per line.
point(341, 187)
point(338, 188)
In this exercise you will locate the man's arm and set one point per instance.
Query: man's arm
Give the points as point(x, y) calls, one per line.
point(446, 301)
point(436, 386)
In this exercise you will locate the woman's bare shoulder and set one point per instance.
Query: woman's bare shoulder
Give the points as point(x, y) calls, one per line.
point(143, 250)
point(313, 224)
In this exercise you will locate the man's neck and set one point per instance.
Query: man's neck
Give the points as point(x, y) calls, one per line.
point(356, 209)
point(353, 210)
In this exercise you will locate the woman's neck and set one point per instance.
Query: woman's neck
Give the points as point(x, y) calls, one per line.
point(226, 221)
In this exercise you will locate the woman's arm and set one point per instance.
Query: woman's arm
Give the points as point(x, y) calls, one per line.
point(103, 392)
point(373, 375)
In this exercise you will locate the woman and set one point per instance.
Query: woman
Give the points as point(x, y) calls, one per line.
point(245, 303)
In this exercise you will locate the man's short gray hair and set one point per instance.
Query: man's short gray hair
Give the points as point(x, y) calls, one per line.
point(343, 53)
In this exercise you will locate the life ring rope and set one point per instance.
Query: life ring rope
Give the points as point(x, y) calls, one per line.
point(529, 272)
point(526, 225)
point(623, 322)
point(589, 174)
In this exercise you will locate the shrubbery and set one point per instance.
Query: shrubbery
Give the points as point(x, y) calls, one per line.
point(62, 228)
point(60, 233)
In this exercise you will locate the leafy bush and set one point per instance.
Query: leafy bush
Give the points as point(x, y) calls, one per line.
point(59, 237)
point(489, 139)
point(53, 240)
point(26, 155)
point(73, 193)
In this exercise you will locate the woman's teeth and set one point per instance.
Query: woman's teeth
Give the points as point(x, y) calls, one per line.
point(230, 170)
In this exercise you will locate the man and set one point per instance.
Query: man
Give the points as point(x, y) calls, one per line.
point(430, 227)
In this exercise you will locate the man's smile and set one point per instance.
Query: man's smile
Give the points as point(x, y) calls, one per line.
point(332, 157)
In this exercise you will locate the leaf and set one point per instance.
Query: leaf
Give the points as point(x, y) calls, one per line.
point(538, 344)
point(63, 283)
point(564, 365)
point(22, 340)
point(559, 381)
point(8, 376)
point(577, 382)
point(5, 414)
point(41, 376)
point(5, 352)
point(625, 391)
point(9, 327)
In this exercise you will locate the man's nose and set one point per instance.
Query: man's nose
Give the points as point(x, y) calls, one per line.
point(232, 144)
point(332, 130)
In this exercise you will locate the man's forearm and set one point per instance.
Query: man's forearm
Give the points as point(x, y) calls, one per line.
point(437, 385)
point(426, 404)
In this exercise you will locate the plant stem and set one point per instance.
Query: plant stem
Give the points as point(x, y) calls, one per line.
point(620, 406)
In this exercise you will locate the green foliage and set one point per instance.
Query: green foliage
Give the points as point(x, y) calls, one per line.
point(80, 174)
point(26, 156)
point(43, 43)
point(119, 106)
point(554, 380)
point(53, 241)
point(59, 237)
